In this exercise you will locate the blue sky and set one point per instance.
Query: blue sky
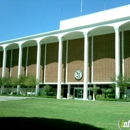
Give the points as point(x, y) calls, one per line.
point(20, 18)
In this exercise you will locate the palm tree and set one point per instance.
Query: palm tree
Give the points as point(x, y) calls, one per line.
point(121, 82)
point(94, 90)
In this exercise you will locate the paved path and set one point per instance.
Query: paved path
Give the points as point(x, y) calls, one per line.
point(6, 98)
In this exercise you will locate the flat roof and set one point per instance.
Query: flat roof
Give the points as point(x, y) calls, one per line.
point(102, 16)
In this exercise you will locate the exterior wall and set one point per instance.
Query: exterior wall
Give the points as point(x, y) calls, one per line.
point(1, 62)
point(75, 58)
point(24, 58)
point(52, 62)
point(15, 57)
point(42, 63)
point(105, 37)
point(8, 62)
point(104, 58)
point(32, 55)
point(127, 53)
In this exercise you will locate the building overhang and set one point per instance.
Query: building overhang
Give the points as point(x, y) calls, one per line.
point(115, 14)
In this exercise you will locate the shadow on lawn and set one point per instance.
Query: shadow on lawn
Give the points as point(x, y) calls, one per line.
point(43, 123)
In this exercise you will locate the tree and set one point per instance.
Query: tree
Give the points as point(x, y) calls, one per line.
point(94, 90)
point(3, 82)
point(108, 92)
point(46, 89)
point(31, 81)
point(21, 83)
point(21, 80)
point(0, 81)
point(13, 81)
point(121, 82)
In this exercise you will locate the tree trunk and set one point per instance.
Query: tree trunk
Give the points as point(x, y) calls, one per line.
point(37, 90)
point(117, 92)
point(18, 89)
point(2, 89)
point(93, 96)
point(94, 93)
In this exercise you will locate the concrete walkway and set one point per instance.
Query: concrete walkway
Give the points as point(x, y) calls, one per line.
point(7, 98)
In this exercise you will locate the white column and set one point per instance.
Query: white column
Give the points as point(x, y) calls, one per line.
point(94, 93)
point(38, 67)
point(92, 60)
point(59, 69)
point(123, 53)
point(26, 61)
point(45, 54)
point(11, 63)
point(4, 62)
point(68, 91)
point(117, 59)
point(66, 77)
point(85, 94)
point(4, 67)
point(19, 66)
point(20, 60)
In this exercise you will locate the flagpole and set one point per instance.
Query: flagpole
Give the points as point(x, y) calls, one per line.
point(81, 6)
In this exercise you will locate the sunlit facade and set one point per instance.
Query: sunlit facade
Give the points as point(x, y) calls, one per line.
point(85, 51)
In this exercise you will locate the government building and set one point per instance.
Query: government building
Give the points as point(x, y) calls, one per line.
point(84, 52)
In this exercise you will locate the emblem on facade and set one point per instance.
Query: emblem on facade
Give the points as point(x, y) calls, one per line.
point(78, 74)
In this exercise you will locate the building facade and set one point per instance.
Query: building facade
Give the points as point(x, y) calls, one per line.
point(85, 51)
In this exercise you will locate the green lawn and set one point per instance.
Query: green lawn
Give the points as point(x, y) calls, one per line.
point(64, 113)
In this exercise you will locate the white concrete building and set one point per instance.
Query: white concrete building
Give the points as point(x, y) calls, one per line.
point(85, 51)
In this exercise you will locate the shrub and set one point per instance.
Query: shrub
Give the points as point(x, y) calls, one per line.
point(31, 81)
point(21, 80)
point(108, 92)
point(13, 81)
point(46, 90)
point(100, 96)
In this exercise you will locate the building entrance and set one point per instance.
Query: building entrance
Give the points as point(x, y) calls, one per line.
point(78, 93)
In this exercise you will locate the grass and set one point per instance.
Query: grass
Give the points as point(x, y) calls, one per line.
point(64, 114)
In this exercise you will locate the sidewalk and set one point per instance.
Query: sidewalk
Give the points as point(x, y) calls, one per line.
point(7, 98)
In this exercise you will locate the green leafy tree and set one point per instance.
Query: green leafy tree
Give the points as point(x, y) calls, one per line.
point(0, 81)
point(122, 82)
point(94, 90)
point(104, 91)
point(31, 81)
point(21, 80)
point(3, 82)
point(13, 81)
point(108, 92)
point(47, 89)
